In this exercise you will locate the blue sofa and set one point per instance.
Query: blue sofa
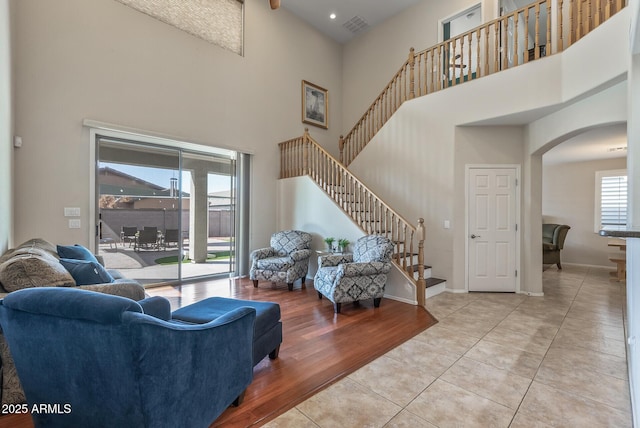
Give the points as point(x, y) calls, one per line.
point(114, 365)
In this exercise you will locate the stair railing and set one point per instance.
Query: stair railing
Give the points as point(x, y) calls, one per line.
point(304, 156)
point(524, 35)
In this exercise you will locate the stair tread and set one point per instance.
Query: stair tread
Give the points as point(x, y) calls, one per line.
point(434, 281)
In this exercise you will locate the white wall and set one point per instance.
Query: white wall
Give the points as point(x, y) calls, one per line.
point(305, 206)
point(479, 145)
point(568, 197)
point(102, 60)
point(6, 130)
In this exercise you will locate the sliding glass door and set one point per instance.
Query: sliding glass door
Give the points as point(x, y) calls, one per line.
point(165, 214)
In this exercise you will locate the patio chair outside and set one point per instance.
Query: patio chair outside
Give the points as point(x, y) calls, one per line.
point(147, 237)
point(171, 236)
point(128, 234)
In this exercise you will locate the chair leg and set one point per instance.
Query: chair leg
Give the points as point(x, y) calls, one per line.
point(319, 295)
point(290, 285)
point(376, 302)
point(337, 307)
point(255, 283)
point(238, 401)
point(274, 354)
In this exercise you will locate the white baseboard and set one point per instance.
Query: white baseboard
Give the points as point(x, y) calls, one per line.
point(529, 293)
point(400, 299)
point(456, 290)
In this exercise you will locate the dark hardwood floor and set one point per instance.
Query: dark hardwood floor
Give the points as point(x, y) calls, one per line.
point(319, 347)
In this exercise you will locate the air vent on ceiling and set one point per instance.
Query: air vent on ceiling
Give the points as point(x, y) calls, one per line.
point(356, 24)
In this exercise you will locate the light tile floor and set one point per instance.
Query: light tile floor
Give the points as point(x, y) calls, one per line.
point(495, 360)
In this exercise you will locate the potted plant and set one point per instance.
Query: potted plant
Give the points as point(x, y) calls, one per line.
point(343, 244)
point(329, 240)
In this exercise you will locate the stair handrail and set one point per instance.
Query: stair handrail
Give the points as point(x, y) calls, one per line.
point(304, 156)
point(433, 69)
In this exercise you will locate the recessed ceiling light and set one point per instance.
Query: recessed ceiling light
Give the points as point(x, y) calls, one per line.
point(332, 16)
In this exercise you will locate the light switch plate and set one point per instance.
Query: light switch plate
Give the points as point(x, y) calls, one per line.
point(71, 212)
point(74, 223)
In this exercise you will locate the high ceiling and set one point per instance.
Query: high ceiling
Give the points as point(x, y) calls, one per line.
point(353, 17)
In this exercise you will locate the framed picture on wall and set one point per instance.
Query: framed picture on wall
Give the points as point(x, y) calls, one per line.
point(315, 105)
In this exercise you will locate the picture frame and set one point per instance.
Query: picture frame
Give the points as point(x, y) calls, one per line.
point(315, 105)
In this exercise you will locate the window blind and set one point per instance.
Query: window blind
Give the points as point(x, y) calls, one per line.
point(613, 200)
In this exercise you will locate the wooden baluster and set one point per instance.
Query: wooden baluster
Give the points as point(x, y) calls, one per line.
point(598, 15)
point(579, 24)
point(485, 60)
point(478, 63)
point(412, 63)
point(438, 71)
point(496, 53)
point(505, 43)
point(305, 157)
point(469, 56)
point(341, 148)
point(571, 24)
point(548, 50)
point(424, 75)
point(525, 53)
point(560, 38)
point(536, 44)
point(452, 61)
point(515, 39)
point(589, 17)
point(421, 284)
point(461, 68)
point(607, 10)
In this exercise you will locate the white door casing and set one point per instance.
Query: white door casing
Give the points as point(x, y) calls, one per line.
point(492, 234)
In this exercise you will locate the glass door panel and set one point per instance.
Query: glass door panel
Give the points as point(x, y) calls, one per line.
point(209, 218)
point(139, 210)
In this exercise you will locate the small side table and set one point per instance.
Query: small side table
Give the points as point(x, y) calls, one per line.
point(620, 274)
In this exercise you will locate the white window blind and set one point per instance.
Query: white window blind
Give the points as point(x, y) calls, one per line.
point(611, 198)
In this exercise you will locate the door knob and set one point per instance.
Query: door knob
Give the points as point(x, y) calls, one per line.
point(474, 236)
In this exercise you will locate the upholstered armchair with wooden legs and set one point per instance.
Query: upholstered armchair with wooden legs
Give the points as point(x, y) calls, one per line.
point(352, 278)
point(286, 260)
point(553, 236)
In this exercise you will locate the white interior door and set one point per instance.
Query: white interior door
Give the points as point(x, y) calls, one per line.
point(492, 229)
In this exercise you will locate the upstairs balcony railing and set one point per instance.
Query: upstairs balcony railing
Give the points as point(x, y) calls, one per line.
point(304, 156)
point(540, 29)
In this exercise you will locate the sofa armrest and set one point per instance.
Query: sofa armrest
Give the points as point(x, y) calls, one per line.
point(262, 253)
point(156, 306)
point(300, 255)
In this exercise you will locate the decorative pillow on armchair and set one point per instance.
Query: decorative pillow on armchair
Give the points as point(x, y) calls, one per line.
point(86, 272)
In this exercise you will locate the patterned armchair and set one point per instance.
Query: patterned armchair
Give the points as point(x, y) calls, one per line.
point(286, 260)
point(351, 278)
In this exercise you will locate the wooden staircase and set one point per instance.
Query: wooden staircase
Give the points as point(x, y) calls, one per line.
point(304, 156)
